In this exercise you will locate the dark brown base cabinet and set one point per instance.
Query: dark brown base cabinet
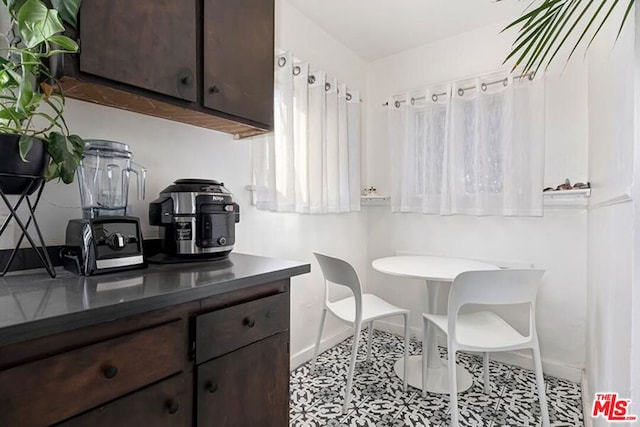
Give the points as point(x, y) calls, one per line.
point(254, 381)
point(204, 62)
point(220, 361)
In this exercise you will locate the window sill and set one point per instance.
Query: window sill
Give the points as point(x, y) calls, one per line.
point(561, 198)
point(567, 198)
point(375, 200)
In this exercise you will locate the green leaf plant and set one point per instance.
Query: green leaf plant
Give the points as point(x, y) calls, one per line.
point(546, 26)
point(31, 99)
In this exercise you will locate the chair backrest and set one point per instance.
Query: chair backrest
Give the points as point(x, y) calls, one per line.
point(339, 272)
point(495, 287)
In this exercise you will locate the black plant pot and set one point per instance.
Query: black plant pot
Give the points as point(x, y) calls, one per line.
point(17, 176)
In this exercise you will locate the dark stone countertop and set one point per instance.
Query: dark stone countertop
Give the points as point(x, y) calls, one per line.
point(33, 304)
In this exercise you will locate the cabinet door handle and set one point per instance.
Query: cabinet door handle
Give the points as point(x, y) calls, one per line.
point(110, 372)
point(172, 406)
point(249, 322)
point(211, 387)
point(186, 80)
point(214, 89)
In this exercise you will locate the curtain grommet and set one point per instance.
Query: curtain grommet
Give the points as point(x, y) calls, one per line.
point(297, 70)
point(413, 101)
point(349, 96)
point(311, 79)
point(483, 86)
point(434, 97)
point(505, 82)
point(327, 87)
point(460, 92)
point(397, 104)
point(282, 61)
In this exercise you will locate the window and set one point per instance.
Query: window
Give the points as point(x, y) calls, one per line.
point(472, 147)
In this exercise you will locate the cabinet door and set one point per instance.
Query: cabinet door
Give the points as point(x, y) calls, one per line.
point(150, 44)
point(238, 58)
point(166, 404)
point(249, 387)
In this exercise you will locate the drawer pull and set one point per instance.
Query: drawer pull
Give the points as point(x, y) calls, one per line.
point(110, 372)
point(211, 387)
point(172, 406)
point(249, 322)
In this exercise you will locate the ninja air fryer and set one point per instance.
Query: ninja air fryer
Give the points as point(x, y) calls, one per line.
point(197, 218)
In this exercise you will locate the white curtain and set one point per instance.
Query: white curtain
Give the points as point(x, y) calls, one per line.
point(473, 147)
point(311, 162)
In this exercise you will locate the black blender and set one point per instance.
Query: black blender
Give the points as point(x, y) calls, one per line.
point(105, 239)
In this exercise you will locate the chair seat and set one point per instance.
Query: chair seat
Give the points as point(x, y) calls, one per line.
point(482, 330)
point(373, 308)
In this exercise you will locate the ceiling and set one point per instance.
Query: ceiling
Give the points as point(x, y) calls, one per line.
point(377, 28)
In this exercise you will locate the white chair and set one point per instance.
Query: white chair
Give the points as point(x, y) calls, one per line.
point(485, 331)
point(356, 310)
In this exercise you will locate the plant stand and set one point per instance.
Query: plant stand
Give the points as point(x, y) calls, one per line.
point(37, 184)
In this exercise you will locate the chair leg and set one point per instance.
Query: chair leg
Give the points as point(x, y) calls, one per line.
point(352, 366)
point(316, 350)
point(485, 365)
point(453, 385)
point(405, 373)
point(370, 343)
point(425, 354)
point(537, 366)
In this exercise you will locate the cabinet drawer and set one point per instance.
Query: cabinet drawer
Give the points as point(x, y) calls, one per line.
point(56, 388)
point(166, 404)
point(225, 330)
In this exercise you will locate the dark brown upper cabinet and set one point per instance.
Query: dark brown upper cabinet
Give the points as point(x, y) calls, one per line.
point(238, 50)
point(147, 44)
point(204, 62)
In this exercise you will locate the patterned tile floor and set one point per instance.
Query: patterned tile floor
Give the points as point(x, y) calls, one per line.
point(378, 399)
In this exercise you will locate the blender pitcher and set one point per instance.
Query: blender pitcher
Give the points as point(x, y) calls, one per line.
point(103, 176)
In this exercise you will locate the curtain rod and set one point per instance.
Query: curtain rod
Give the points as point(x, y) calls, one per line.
point(461, 90)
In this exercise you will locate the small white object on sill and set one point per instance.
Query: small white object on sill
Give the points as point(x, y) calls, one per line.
point(370, 197)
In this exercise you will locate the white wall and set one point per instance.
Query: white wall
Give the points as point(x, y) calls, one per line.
point(555, 242)
point(172, 150)
point(635, 301)
point(611, 216)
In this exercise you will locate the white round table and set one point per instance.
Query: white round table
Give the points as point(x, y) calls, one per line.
point(435, 271)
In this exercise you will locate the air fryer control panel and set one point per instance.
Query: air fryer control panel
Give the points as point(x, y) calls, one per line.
point(215, 222)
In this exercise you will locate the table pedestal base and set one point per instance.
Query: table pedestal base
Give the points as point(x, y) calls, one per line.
point(437, 378)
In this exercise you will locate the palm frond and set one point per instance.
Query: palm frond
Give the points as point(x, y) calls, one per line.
point(544, 29)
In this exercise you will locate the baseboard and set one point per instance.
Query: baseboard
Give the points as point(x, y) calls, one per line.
point(587, 400)
point(522, 360)
point(306, 354)
point(397, 329)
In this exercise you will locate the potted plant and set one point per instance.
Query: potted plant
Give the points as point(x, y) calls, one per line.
point(34, 138)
